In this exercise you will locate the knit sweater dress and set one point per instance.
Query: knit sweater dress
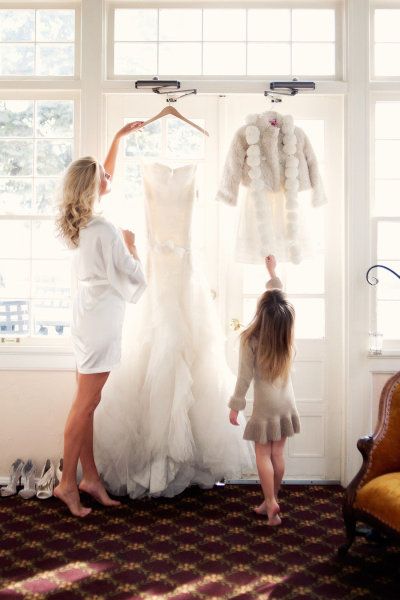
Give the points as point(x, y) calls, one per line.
point(274, 410)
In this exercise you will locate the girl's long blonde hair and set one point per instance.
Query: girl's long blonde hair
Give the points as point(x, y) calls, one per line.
point(79, 191)
point(272, 332)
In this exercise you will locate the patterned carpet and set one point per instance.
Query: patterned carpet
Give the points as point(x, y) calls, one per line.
point(203, 544)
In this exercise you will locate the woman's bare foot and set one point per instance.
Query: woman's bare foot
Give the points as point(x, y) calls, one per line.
point(263, 508)
point(72, 500)
point(273, 511)
point(97, 490)
point(275, 520)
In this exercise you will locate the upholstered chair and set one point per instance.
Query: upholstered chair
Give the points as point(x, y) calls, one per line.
point(373, 496)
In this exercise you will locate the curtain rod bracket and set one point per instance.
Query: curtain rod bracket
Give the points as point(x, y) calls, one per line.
point(165, 86)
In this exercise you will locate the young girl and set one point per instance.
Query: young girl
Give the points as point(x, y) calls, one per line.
point(109, 274)
point(266, 353)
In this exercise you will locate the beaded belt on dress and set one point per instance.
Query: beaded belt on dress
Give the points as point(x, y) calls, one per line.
point(168, 246)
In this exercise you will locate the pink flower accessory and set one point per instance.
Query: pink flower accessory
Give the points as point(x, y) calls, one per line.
point(274, 122)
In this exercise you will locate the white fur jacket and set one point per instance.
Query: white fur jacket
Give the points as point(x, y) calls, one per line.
point(269, 152)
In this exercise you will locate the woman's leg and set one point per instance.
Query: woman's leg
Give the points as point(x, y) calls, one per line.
point(91, 482)
point(266, 474)
point(86, 399)
point(278, 463)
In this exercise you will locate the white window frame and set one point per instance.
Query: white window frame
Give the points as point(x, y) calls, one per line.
point(51, 4)
point(390, 347)
point(31, 340)
point(336, 5)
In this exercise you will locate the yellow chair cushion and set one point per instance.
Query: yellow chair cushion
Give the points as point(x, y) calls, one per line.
point(380, 497)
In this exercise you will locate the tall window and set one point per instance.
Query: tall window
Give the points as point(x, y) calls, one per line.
point(36, 144)
point(386, 217)
point(37, 42)
point(223, 42)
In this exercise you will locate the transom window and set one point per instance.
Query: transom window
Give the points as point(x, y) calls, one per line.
point(37, 42)
point(36, 145)
point(223, 42)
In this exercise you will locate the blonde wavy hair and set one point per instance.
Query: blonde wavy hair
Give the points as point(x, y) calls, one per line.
point(272, 333)
point(79, 191)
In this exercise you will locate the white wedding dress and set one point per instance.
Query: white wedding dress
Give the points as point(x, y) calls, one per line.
point(162, 424)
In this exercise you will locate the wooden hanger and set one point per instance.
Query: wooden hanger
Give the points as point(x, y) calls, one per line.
point(170, 110)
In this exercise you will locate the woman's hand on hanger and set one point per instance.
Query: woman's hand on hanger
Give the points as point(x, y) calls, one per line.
point(129, 128)
point(109, 163)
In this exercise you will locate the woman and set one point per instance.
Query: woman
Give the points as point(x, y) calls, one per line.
point(109, 273)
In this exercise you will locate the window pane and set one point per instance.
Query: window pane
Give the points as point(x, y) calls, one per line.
point(51, 279)
point(388, 241)
point(16, 158)
point(387, 120)
point(313, 25)
point(387, 197)
point(55, 25)
point(305, 278)
point(55, 59)
point(183, 141)
point(271, 59)
point(17, 25)
point(269, 25)
point(17, 59)
point(181, 58)
point(46, 196)
point(388, 288)
point(313, 59)
point(15, 239)
point(145, 142)
point(132, 182)
point(387, 25)
point(15, 196)
point(135, 59)
point(315, 130)
point(180, 24)
point(224, 59)
point(44, 241)
point(14, 317)
point(135, 25)
point(389, 319)
point(52, 157)
point(224, 24)
point(387, 159)
point(310, 316)
point(387, 59)
point(14, 278)
point(16, 118)
point(51, 317)
point(55, 119)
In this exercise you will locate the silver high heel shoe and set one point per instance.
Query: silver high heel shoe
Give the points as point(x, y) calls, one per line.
point(28, 477)
point(15, 476)
point(45, 485)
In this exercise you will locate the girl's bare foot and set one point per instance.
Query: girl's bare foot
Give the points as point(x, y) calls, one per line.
point(97, 490)
point(72, 500)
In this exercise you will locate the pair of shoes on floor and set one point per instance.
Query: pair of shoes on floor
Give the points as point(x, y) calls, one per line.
point(25, 474)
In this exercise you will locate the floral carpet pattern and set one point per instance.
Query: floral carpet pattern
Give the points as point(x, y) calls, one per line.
point(203, 544)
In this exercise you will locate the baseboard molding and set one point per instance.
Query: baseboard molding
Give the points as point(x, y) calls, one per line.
point(251, 481)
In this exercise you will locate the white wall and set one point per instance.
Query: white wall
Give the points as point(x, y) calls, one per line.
point(34, 406)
